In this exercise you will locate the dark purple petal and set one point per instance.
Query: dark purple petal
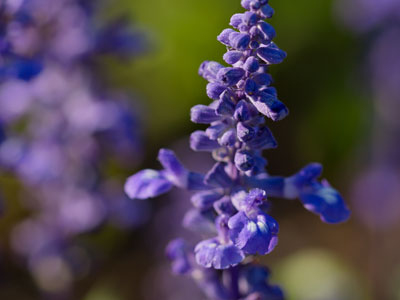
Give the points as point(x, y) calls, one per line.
point(307, 175)
point(251, 64)
point(232, 57)
point(271, 54)
point(268, 32)
point(225, 106)
point(267, 11)
point(244, 161)
point(262, 79)
point(230, 76)
point(250, 87)
point(250, 18)
point(270, 106)
point(242, 111)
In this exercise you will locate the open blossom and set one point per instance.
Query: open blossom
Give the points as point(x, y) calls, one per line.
point(72, 126)
point(233, 195)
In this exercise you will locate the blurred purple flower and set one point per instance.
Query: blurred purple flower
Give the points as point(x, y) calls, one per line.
point(375, 188)
point(62, 125)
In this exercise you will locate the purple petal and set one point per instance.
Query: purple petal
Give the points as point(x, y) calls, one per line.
point(210, 253)
point(146, 184)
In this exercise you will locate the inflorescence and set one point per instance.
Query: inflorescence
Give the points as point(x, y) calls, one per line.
point(232, 196)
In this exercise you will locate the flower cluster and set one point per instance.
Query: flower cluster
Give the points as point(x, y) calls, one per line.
point(63, 128)
point(230, 201)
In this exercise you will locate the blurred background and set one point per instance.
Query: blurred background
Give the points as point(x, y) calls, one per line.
point(340, 82)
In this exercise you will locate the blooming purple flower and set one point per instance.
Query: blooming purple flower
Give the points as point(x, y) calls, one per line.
point(233, 194)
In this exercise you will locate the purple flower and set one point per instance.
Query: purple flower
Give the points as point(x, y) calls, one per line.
point(233, 194)
point(254, 235)
point(212, 253)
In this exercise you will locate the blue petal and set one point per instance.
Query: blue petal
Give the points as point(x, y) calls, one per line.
point(146, 184)
point(307, 175)
point(326, 202)
point(271, 54)
point(268, 32)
